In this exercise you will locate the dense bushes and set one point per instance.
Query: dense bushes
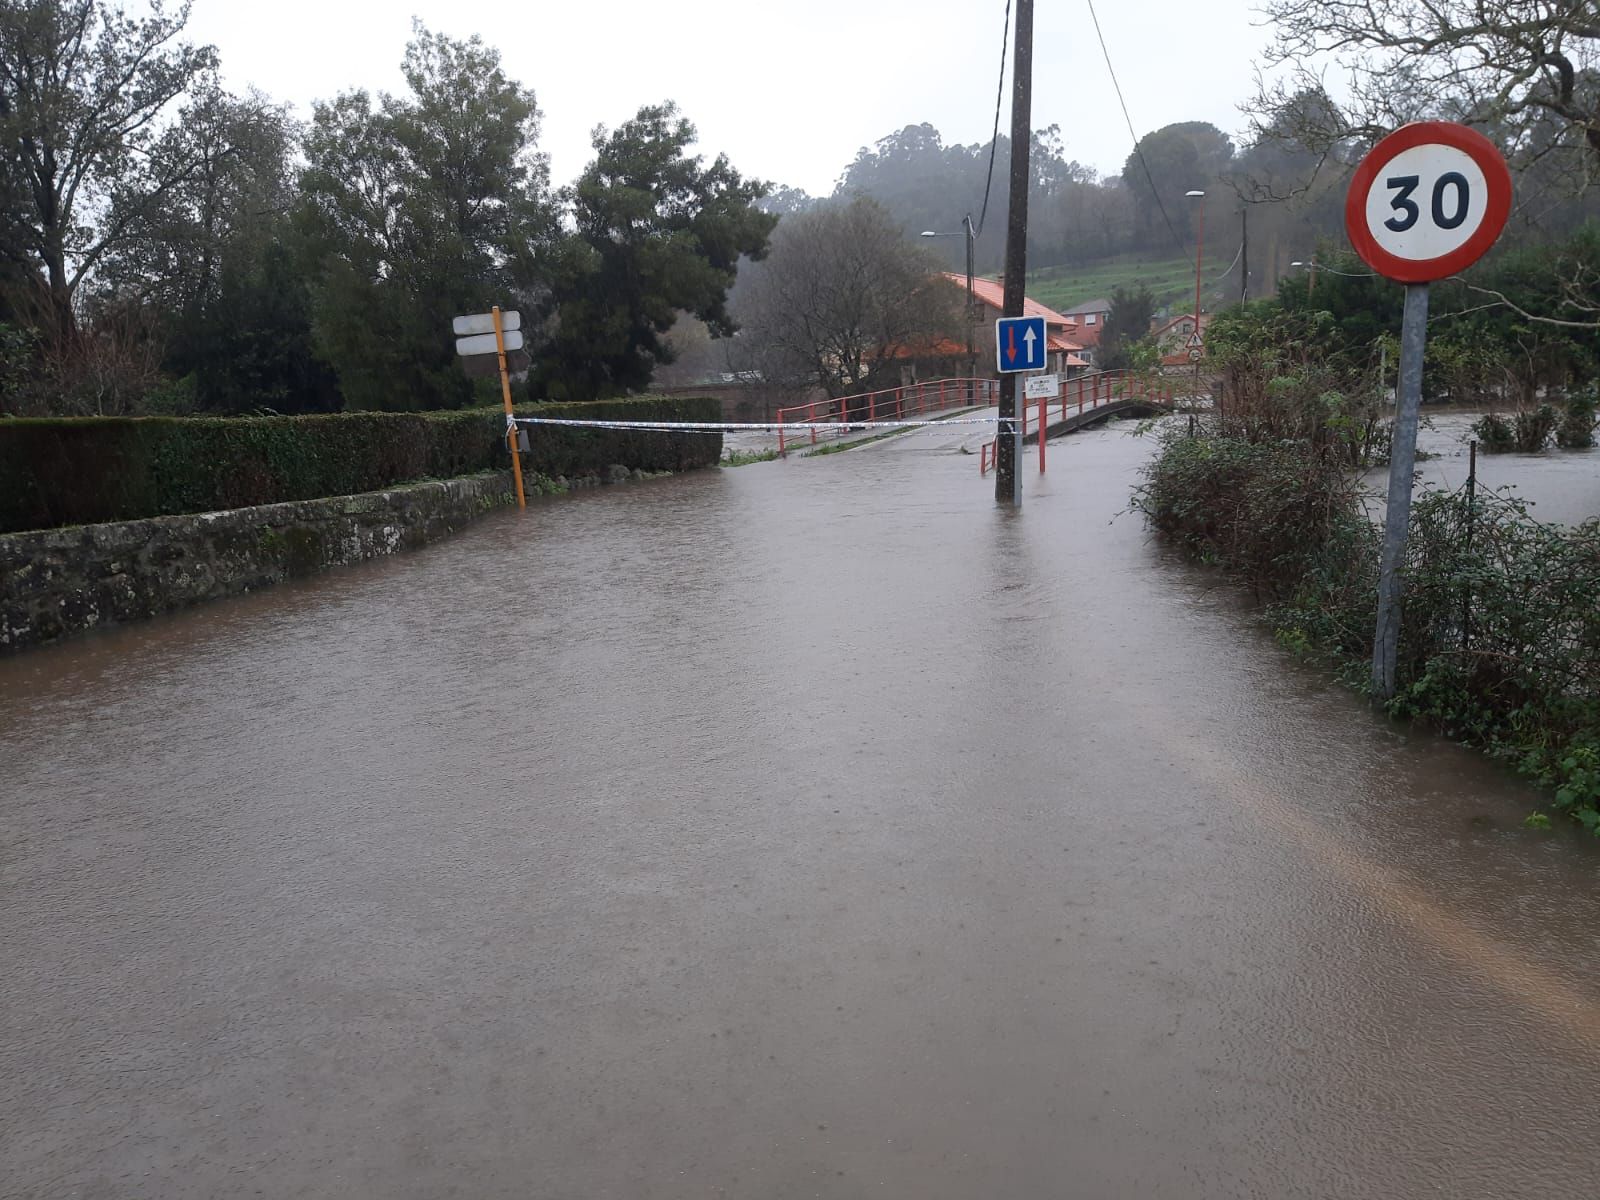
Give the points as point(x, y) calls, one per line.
point(1500, 640)
point(1531, 430)
point(1576, 431)
point(80, 471)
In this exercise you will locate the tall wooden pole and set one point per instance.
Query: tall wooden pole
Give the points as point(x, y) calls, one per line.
point(505, 392)
point(1008, 446)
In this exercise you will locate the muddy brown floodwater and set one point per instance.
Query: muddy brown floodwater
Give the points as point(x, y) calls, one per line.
point(809, 829)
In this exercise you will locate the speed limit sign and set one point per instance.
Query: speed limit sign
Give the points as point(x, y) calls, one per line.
point(1428, 201)
point(1425, 203)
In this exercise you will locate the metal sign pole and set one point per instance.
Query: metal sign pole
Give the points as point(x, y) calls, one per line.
point(1402, 467)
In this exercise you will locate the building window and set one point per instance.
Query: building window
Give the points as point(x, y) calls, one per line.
point(1089, 318)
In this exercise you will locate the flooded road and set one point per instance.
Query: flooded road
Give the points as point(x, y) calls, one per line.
point(809, 829)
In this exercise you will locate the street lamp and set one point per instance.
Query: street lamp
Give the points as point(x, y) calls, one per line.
point(1311, 283)
point(1199, 250)
point(1316, 266)
point(966, 232)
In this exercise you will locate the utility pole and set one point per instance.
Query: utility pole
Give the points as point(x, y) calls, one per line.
point(1008, 443)
point(1244, 254)
point(972, 354)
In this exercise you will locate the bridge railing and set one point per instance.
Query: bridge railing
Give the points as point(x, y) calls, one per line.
point(1078, 394)
point(888, 404)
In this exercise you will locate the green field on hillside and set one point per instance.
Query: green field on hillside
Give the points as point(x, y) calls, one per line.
point(1062, 287)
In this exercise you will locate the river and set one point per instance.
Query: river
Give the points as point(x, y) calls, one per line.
point(1562, 486)
point(812, 828)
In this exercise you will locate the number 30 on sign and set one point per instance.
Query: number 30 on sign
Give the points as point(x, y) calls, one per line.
point(1428, 201)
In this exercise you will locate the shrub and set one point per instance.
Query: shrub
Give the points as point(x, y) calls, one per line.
point(1494, 434)
point(1527, 432)
point(1534, 429)
point(74, 471)
point(1576, 431)
point(1500, 639)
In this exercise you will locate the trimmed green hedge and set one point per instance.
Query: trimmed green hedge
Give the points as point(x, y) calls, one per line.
point(84, 470)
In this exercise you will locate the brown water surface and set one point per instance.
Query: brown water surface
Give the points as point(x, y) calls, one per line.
point(813, 828)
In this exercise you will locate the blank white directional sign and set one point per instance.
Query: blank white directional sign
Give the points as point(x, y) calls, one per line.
point(483, 343)
point(1041, 387)
point(484, 323)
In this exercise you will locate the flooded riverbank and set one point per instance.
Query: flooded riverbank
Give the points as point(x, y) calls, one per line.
point(1562, 486)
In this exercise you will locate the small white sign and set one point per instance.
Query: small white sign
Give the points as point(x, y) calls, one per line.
point(483, 343)
point(1041, 387)
point(484, 323)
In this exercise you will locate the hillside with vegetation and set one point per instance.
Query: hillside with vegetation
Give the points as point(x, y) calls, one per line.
point(1169, 280)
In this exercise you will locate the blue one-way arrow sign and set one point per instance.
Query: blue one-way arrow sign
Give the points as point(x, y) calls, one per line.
point(1019, 343)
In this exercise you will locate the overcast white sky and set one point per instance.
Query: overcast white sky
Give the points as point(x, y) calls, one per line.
point(789, 89)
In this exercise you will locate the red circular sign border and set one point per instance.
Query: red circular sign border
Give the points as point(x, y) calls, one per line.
point(1407, 270)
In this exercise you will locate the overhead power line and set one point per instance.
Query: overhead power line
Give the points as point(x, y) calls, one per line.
point(994, 138)
point(1154, 191)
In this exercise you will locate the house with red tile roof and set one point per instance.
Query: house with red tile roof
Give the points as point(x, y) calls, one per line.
point(1177, 339)
point(1090, 317)
point(1064, 352)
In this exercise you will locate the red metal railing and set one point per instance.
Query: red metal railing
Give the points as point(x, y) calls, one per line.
point(890, 404)
point(1080, 394)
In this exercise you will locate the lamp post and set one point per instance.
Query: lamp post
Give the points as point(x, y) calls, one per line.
point(1311, 283)
point(1312, 265)
point(1199, 251)
point(966, 232)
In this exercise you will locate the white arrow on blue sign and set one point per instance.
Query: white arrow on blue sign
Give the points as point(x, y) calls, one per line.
point(1019, 343)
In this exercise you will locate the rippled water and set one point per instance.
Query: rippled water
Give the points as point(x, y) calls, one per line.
point(1562, 485)
point(814, 828)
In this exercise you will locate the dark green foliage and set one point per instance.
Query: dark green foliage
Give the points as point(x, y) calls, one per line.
point(1168, 163)
point(1576, 431)
point(1127, 324)
point(657, 234)
point(1495, 434)
point(572, 451)
point(1284, 377)
point(66, 471)
point(413, 209)
point(1501, 641)
point(251, 350)
point(1526, 432)
point(1534, 429)
point(1267, 511)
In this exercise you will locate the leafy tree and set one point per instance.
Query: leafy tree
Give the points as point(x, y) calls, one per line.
point(783, 200)
point(81, 87)
point(252, 349)
point(927, 185)
point(843, 298)
point(1127, 326)
point(656, 234)
point(1168, 163)
point(1511, 62)
point(229, 162)
point(418, 208)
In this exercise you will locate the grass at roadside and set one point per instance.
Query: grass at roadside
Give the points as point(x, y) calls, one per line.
point(743, 458)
